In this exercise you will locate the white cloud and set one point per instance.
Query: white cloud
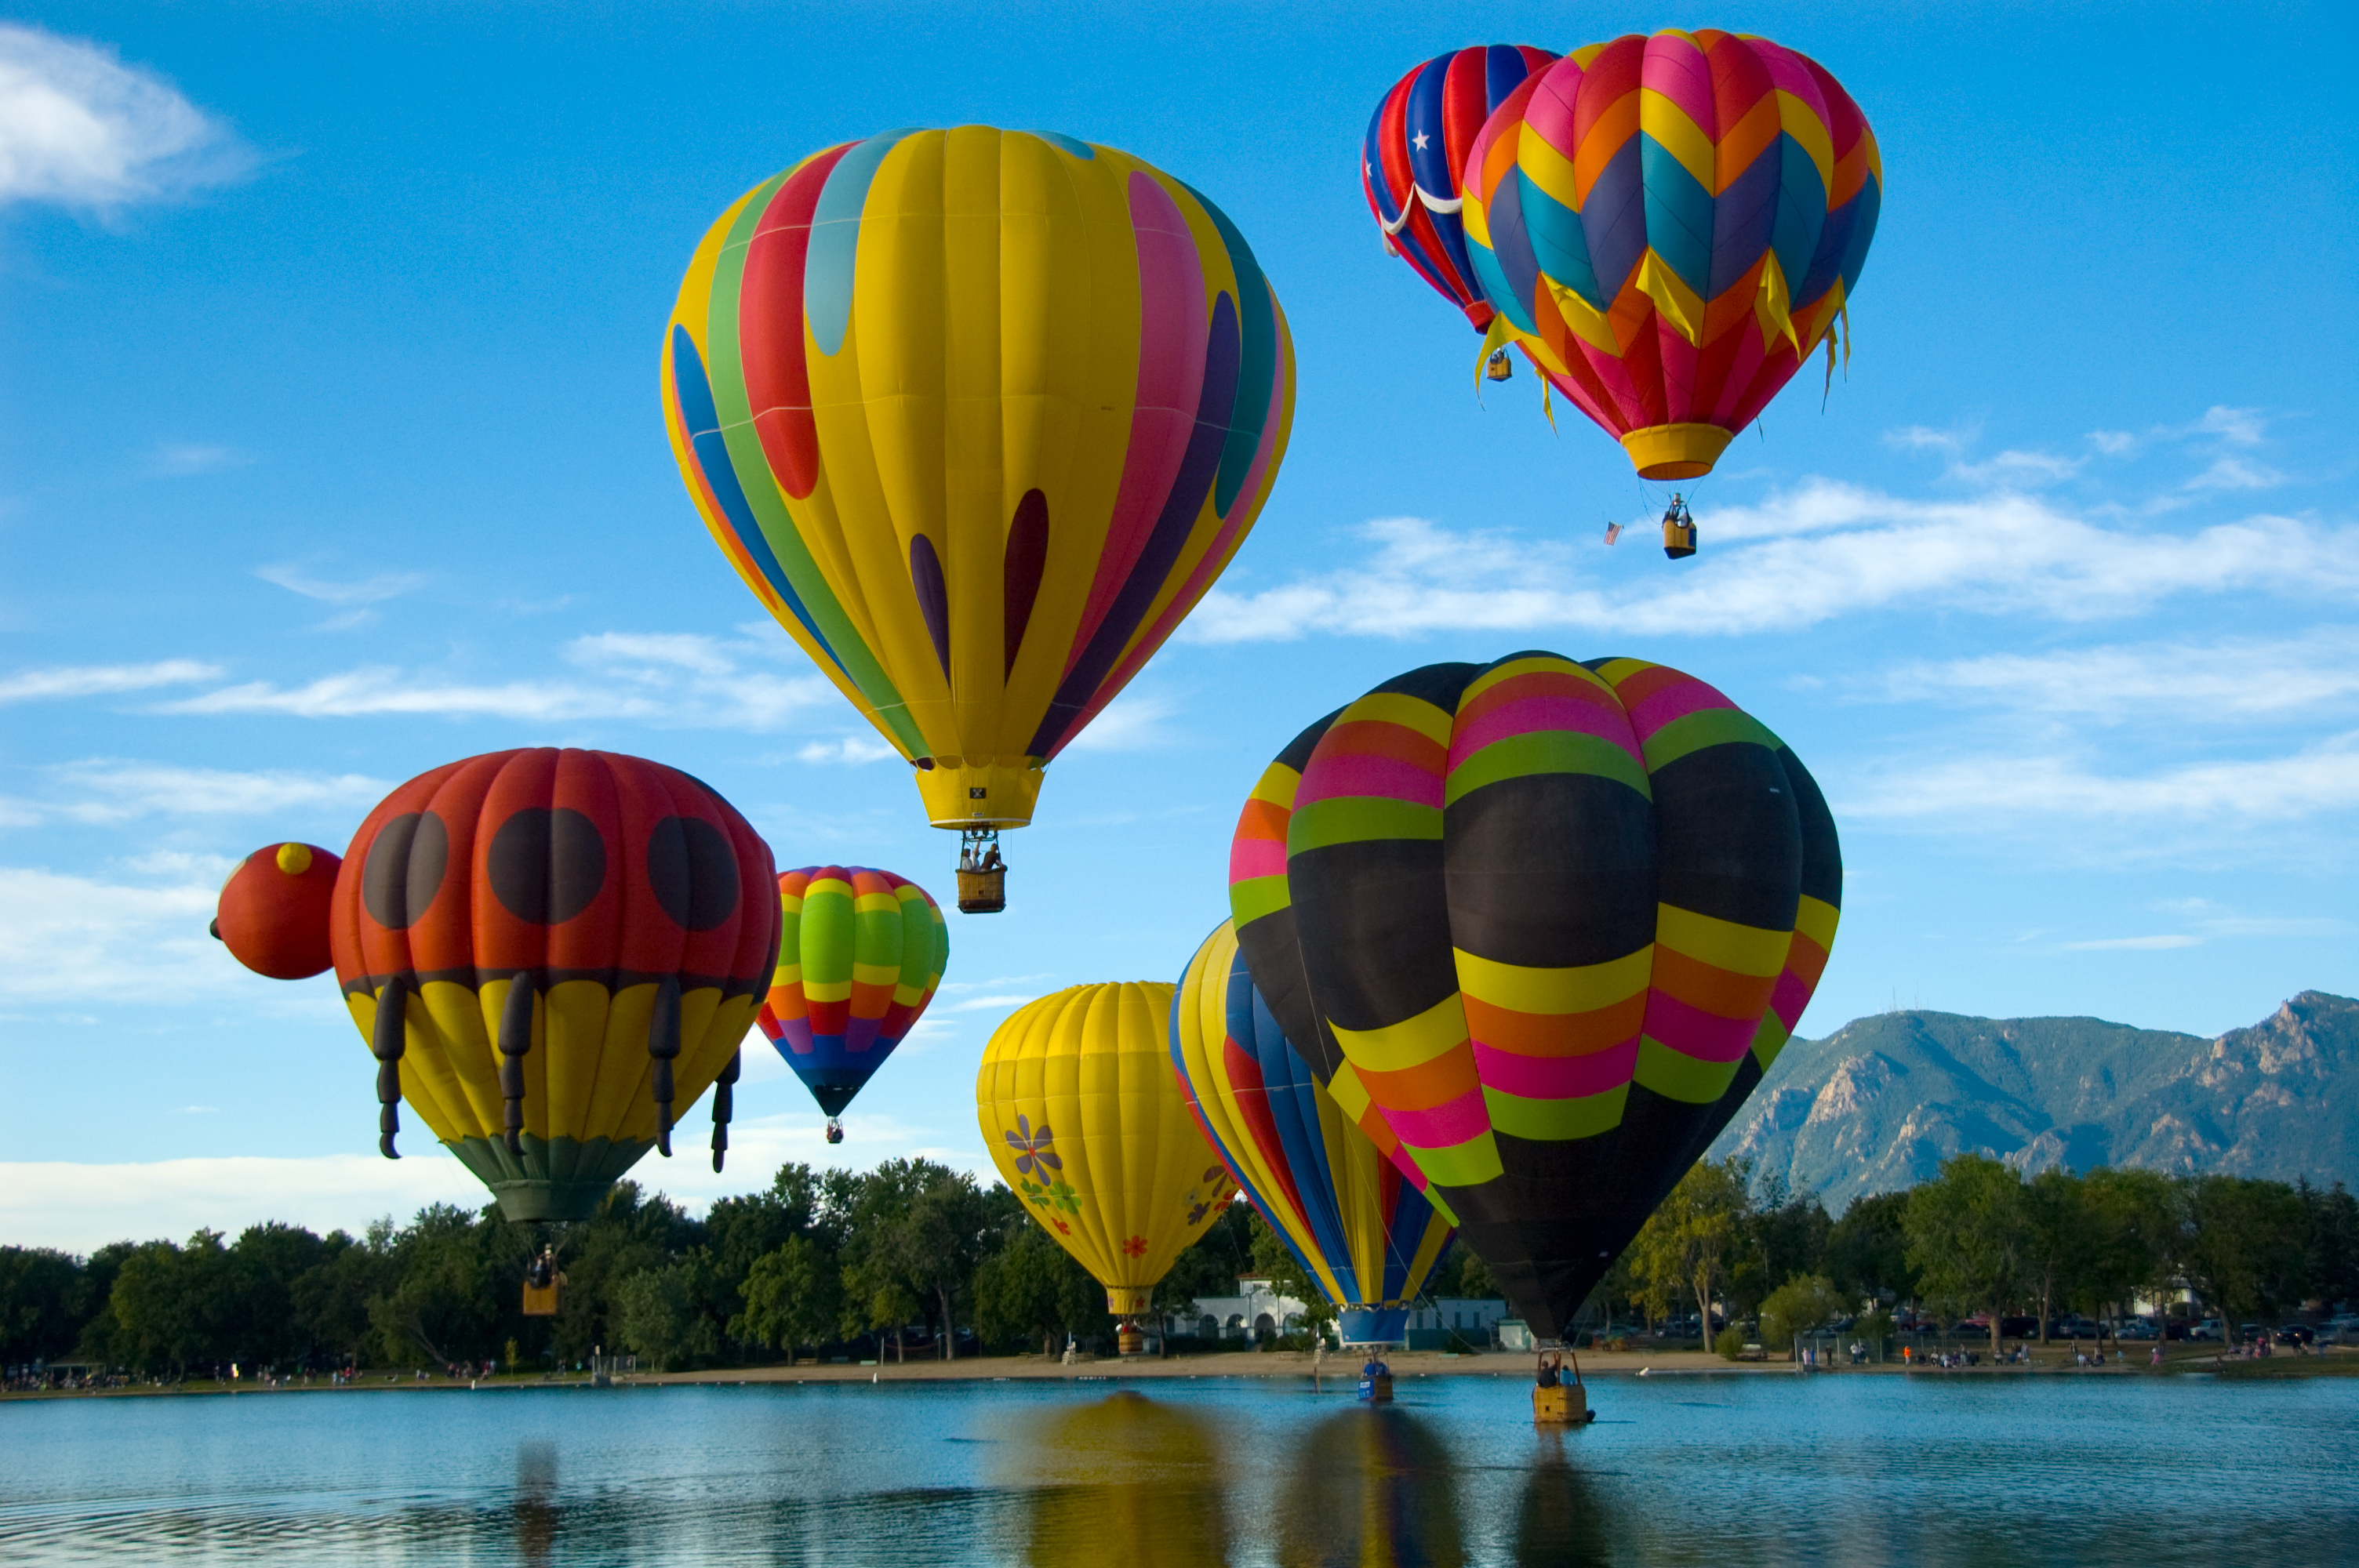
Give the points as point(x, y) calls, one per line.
point(2186, 682)
point(80, 128)
point(367, 590)
point(2235, 473)
point(65, 937)
point(851, 750)
point(2017, 468)
point(100, 791)
point(2000, 554)
point(1921, 439)
point(2113, 443)
point(1132, 721)
point(97, 680)
point(2237, 426)
point(179, 460)
point(2132, 943)
point(1977, 790)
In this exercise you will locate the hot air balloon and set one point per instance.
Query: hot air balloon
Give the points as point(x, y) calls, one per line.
point(860, 953)
point(1128, 1479)
point(1085, 1117)
point(1668, 226)
point(1549, 922)
point(549, 952)
point(1415, 155)
point(1375, 1489)
point(273, 915)
point(1362, 1232)
point(978, 415)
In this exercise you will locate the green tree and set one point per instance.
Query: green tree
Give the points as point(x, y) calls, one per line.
point(1209, 1266)
point(1801, 1304)
point(1274, 1260)
point(1690, 1239)
point(1967, 1237)
point(1031, 1286)
point(2332, 1242)
point(903, 1216)
point(42, 1304)
point(1867, 1249)
point(1782, 1234)
point(175, 1306)
point(657, 1313)
point(629, 1232)
point(2132, 1221)
point(793, 1295)
point(445, 1295)
point(2058, 1241)
point(2241, 1243)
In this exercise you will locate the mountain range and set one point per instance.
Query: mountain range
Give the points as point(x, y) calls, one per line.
point(1881, 1102)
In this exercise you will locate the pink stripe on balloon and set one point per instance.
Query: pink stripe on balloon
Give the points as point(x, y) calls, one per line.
point(1336, 775)
point(1250, 857)
point(1548, 113)
point(1789, 73)
point(1444, 1126)
point(1744, 368)
point(1673, 702)
point(1791, 996)
point(1172, 327)
point(1531, 714)
point(1692, 1032)
point(1676, 69)
point(1556, 1077)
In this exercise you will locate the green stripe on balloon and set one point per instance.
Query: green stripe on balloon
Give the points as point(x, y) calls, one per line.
point(1544, 751)
point(1356, 818)
point(1707, 726)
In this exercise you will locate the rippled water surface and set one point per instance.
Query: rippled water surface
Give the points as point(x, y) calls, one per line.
point(1716, 1470)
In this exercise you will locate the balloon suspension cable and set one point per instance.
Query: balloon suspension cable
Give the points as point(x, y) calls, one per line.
point(724, 1105)
point(515, 1040)
point(663, 1044)
point(386, 1042)
point(834, 1131)
point(982, 874)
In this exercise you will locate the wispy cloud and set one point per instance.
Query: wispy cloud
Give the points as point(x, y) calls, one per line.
point(375, 590)
point(665, 681)
point(1794, 561)
point(849, 750)
point(1135, 721)
point(102, 791)
point(80, 128)
point(179, 459)
point(100, 680)
point(64, 937)
point(2187, 683)
point(1979, 791)
point(2132, 943)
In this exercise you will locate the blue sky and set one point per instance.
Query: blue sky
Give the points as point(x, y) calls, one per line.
point(330, 452)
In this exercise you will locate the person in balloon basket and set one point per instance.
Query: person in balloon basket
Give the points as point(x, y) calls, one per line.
point(1549, 1375)
point(1375, 1366)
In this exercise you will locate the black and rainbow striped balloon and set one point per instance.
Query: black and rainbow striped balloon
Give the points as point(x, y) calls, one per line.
point(1540, 927)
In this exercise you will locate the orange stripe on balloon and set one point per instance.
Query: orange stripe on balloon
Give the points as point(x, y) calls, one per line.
point(1709, 986)
point(1555, 1033)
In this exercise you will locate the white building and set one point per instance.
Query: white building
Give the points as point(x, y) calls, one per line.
point(1470, 1318)
point(1255, 1309)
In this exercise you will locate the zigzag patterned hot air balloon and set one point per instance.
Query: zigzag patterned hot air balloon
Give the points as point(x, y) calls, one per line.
point(1668, 226)
point(860, 955)
point(1548, 924)
point(1415, 154)
point(1366, 1235)
point(979, 416)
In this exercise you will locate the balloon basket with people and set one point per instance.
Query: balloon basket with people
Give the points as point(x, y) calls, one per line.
point(1375, 1381)
point(1558, 1397)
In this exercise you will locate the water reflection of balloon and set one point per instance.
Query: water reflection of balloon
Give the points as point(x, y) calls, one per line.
point(1365, 1233)
point(1669, 226)
point(978, 415)
point(1085, 1117)
point(1373, 1488)
point(1561, 1518)
point(551, 953)
point(1549, 923)
point(536, 1514)
point(1127, 1480)
point(860, 953)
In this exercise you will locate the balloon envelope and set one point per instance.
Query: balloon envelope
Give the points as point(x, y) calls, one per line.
point(629, 897)
point(860, 955)
point(1083, 1116)
point(273, 915)
point(1363, 1231)
point(979, 416)
point(1415, 154)
point(1549, 923)
point(1668, 226)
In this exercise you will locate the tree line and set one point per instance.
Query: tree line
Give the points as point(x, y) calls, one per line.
point(910, 1257)
point(1981, 1238)
point(914, 1258)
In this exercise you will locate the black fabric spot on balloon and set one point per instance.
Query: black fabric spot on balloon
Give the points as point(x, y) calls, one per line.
point(1026, 557)
point(404, 869)
point(933, 595)
point(692, 867)
point(546, 864)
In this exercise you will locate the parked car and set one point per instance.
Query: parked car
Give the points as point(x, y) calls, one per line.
point(2250, 1333)
point(2210, 1328)
point(2018, 1327)
point(2072, 1325)
point(2136, 1328)
point(2297, 1334)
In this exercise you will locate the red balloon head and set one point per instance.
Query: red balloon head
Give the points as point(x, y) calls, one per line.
point(274, 913)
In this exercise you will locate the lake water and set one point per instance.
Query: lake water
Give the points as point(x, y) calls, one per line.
point(1925, 1472)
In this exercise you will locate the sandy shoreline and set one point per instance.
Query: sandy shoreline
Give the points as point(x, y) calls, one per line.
point(1334, 1372)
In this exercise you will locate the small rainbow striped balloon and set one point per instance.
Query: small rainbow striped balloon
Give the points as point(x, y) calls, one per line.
point(1548, 922)
point(1668, 226)
point(859, 955)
